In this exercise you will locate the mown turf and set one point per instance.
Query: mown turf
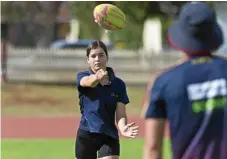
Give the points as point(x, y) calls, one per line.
point(64, 149)
point(44, 100)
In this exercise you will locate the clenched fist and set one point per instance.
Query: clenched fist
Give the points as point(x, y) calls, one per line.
point(103, 77)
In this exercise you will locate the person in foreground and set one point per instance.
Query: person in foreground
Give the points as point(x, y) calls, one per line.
point(192, 95)
point(102, 95)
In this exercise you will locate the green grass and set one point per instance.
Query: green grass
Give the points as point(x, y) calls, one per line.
point(44, 100)
point(64, 149)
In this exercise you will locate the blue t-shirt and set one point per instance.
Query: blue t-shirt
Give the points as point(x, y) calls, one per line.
point(193, 97)
point(98, 104)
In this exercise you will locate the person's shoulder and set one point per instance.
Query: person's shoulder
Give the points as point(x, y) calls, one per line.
point(82, 74)
point(119, 81)
point(221, 62)
point(162, 74)
point(158, 80)
point(221, 58)
point(173, 67)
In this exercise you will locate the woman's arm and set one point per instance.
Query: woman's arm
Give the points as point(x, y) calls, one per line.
point(121, 116)
point(155, 116)
point(154, 129)
point(94, 79)
point(127, 130)
point(89, 81)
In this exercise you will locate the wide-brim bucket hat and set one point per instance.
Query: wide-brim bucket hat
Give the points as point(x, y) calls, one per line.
point(196, 29)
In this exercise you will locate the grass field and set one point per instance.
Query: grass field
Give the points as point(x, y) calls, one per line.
point(64, 149)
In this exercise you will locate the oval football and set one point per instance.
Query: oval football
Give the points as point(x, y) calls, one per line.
point(109, 17)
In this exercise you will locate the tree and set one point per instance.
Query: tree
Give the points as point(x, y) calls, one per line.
point(83, 12)
point(136, 13)
point(34, 21)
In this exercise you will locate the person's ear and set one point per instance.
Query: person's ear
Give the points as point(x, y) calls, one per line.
point(88, 61)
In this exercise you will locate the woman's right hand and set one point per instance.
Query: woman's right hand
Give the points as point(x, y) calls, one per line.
point(103, 77)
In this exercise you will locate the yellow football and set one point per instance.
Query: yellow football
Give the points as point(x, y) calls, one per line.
point(109, 17)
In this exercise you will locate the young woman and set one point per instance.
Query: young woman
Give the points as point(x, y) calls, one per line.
point(102, 97)
point(192, 96)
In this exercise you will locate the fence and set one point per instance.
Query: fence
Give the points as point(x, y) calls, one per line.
point(61, 66)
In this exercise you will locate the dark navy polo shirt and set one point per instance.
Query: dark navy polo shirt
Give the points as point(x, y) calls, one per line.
point(193, 97)
point(98, 104)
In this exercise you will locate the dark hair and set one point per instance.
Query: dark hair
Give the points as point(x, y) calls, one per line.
point(96, 44)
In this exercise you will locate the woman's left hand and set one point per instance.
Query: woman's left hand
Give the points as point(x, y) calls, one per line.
point(130, 130)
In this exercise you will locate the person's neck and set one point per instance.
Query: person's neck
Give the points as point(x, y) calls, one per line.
point(188, 56)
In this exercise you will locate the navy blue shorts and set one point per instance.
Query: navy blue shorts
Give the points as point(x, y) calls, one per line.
point(89, 144)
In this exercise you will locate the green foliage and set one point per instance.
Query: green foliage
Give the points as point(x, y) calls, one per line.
point(166, 22)
point(83, 11)
point(131, 35)
point(10, 12)
point(136, 13)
